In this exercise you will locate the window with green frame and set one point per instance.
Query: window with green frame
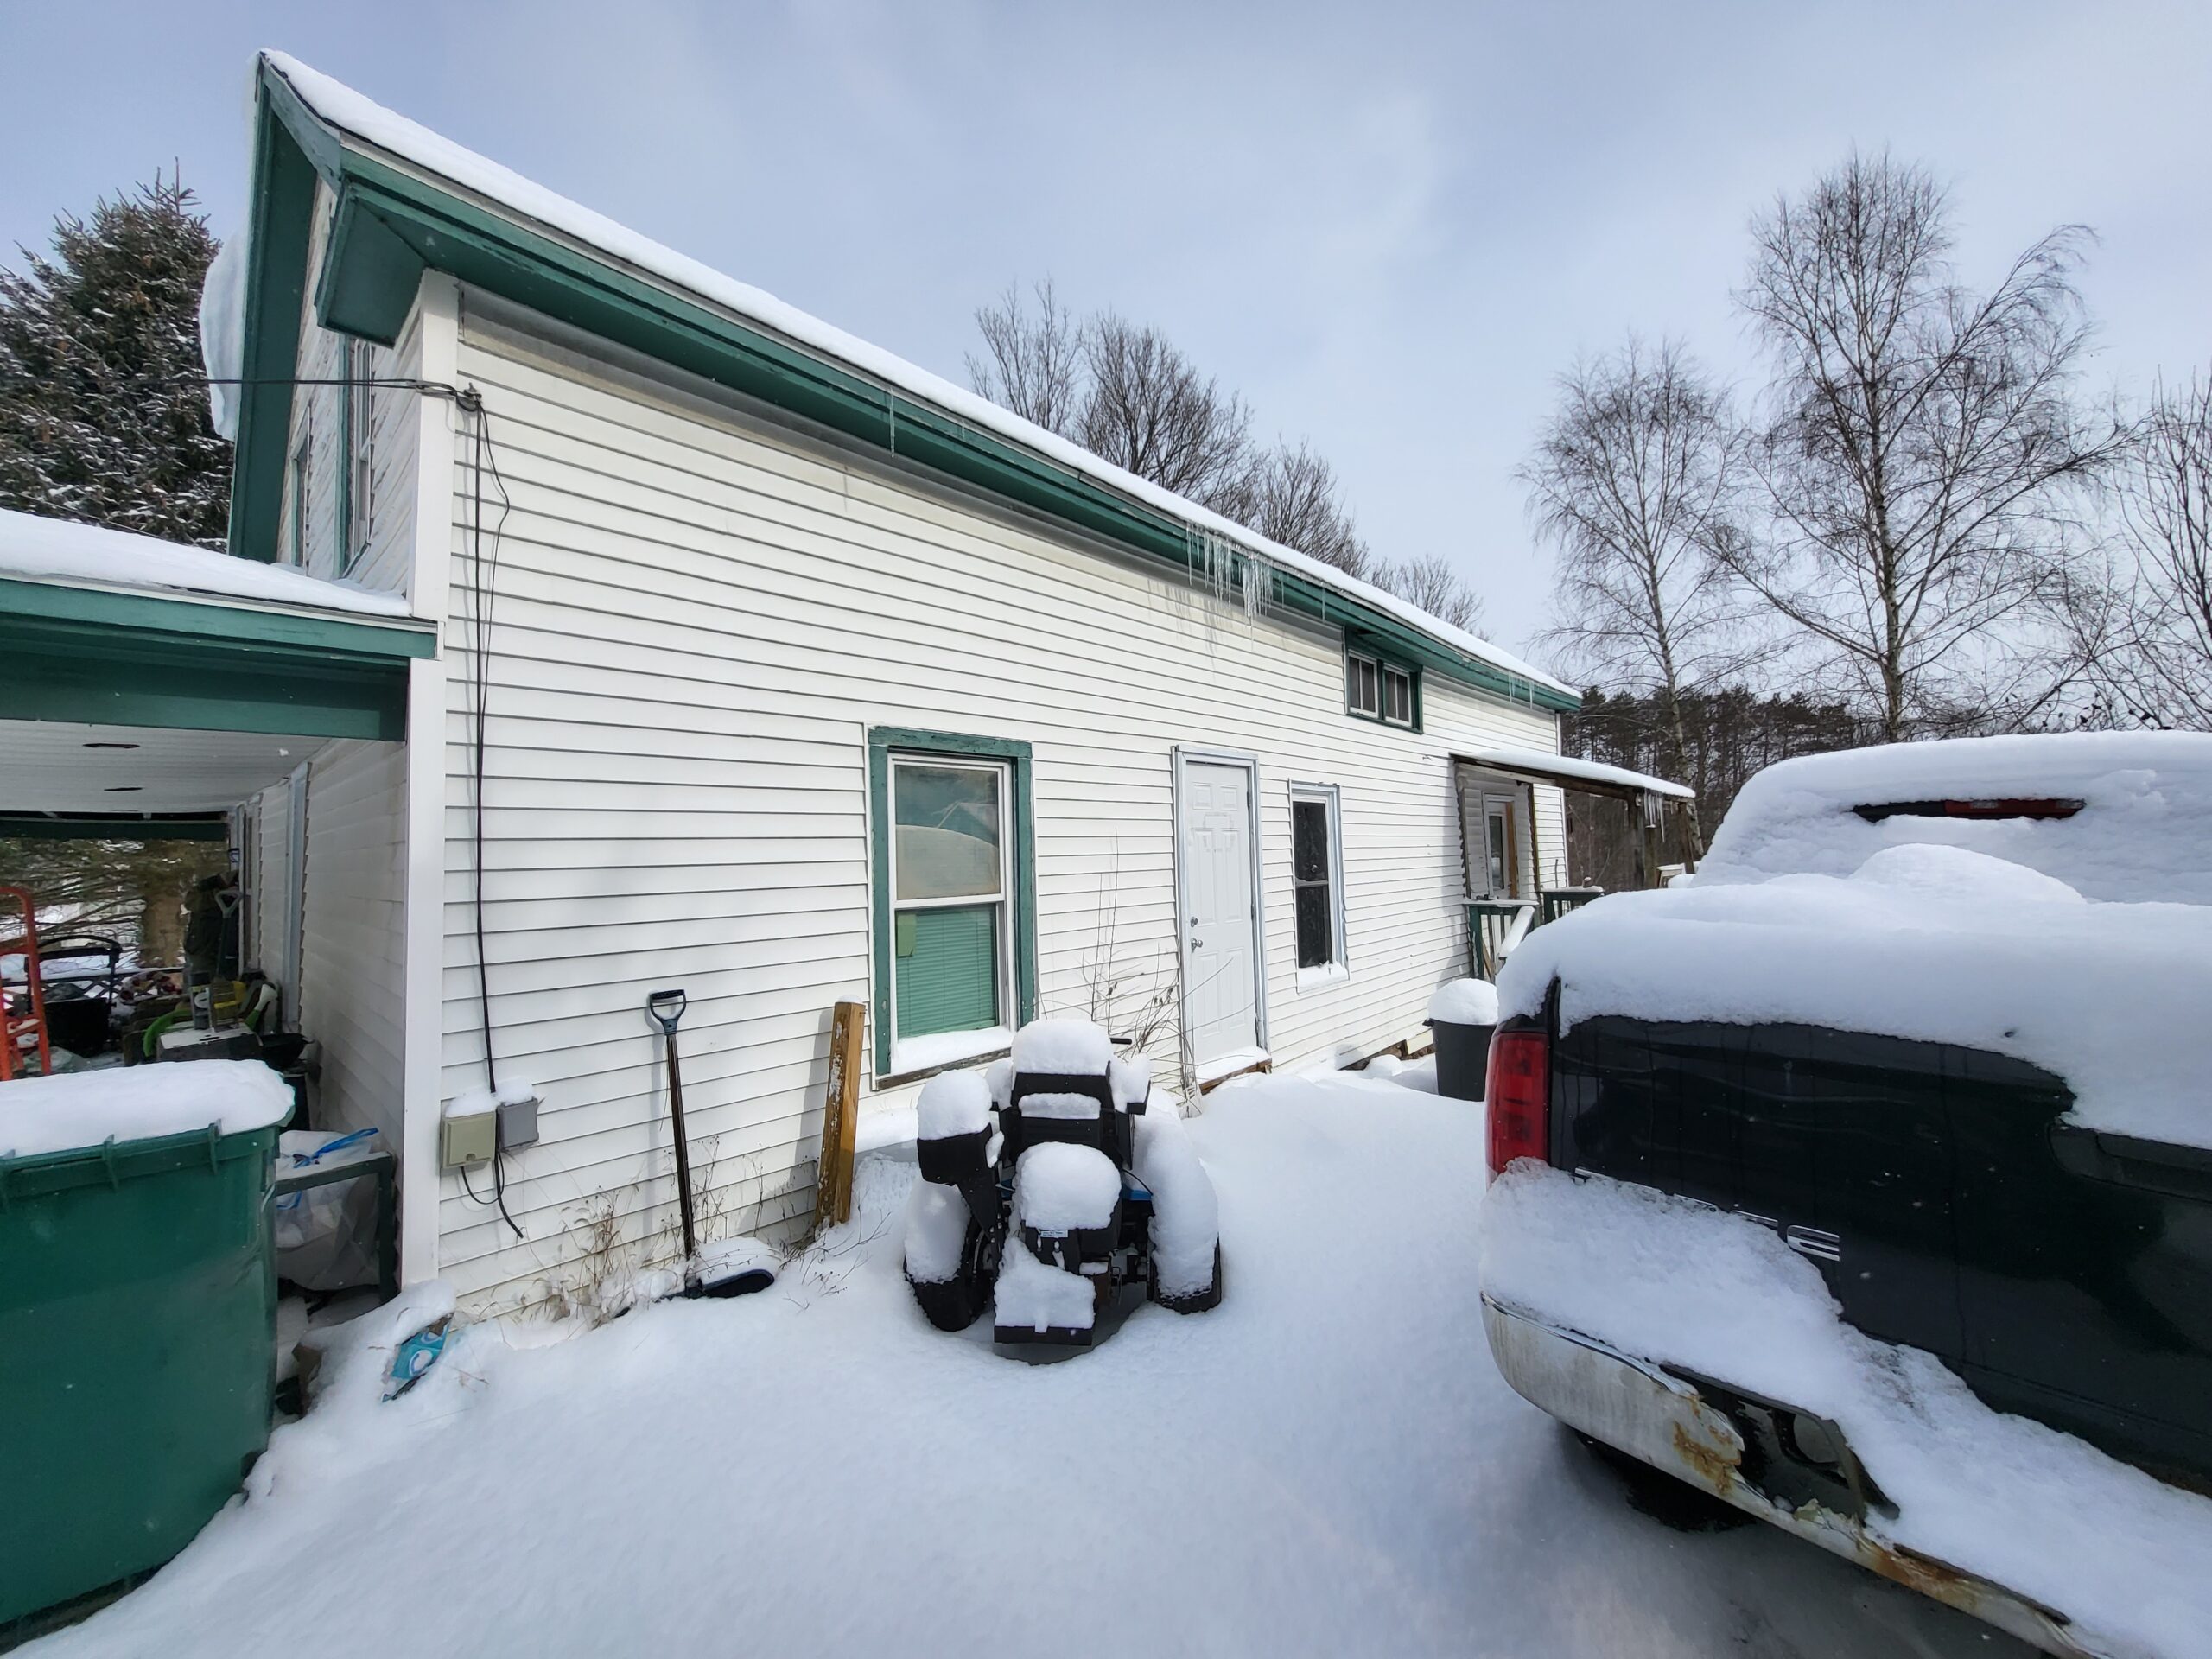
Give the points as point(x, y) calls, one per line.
point(1377, 687)
point(953, 888)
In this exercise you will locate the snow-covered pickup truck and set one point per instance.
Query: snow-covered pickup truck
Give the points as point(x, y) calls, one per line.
point(1865, 1179)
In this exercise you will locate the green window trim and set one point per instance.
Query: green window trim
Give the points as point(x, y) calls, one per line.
point(883, 743)
point(1360, 649)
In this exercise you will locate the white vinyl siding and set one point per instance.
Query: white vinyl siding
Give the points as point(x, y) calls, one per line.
point(269, 883)
point(350, 994)
point(699, 618)
point(382, 455)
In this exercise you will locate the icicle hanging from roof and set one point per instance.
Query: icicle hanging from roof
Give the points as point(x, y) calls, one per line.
point(1234, 577)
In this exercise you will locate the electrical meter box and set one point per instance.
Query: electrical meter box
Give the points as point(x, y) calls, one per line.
point(469, 1138)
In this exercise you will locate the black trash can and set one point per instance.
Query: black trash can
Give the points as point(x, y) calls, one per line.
point(1462, 1058)
point(1462, 1014)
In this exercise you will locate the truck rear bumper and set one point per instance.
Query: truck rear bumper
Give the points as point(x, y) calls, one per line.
point(1664, 1421)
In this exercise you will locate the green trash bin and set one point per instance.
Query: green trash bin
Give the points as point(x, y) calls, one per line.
point(137, 1353)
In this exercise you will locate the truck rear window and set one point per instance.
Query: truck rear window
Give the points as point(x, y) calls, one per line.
point(2028, 808)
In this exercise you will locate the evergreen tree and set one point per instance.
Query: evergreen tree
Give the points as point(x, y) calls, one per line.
point(103, 417)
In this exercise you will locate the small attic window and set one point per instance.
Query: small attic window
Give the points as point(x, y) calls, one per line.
point(1378, 688)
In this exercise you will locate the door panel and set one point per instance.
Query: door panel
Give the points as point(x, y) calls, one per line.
point(1221, 994)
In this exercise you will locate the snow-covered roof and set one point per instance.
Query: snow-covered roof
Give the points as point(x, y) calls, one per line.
point(2081, 943)
point(370, 123)
point(55, 550)
point(1566, 766)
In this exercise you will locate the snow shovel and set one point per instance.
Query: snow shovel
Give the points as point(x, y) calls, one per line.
point(665, 1008)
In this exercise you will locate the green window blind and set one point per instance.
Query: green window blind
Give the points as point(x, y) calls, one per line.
point(946, 962)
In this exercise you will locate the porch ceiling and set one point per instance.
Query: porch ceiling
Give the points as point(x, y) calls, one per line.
point(62, 767)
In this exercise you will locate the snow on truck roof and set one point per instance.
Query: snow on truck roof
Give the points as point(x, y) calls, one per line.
point(2123, 816)
point(54, 549)
point(2047, 898)
point(362, 120)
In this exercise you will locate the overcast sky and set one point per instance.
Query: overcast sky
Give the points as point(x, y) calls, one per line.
point(1389, 226)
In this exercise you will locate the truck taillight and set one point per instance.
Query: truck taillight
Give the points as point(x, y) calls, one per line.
point(1518, 1097)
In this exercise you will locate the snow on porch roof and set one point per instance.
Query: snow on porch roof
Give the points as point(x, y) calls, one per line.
point(54, 549)
point(1568, 769)
point(349, 112)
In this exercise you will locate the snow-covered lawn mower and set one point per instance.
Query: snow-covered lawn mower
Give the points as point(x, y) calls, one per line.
point(1047, 1189)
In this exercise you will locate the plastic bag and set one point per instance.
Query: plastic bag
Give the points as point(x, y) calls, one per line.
point(325, 1236)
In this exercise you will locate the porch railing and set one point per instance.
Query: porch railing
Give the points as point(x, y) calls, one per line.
point(1495, 925)
point(1558, 901)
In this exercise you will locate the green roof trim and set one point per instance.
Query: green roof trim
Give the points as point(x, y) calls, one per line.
point(143, 659)
point(280, 210)
point(391, 226)
point(113, 826)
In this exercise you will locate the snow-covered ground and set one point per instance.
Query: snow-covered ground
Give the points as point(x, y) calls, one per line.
point(1328, 1463)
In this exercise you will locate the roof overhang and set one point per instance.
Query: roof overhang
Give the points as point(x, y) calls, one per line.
point(1590, 777)
point(392, 224)
point(109, 655)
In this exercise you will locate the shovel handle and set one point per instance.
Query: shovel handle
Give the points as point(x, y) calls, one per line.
point(657, 1005)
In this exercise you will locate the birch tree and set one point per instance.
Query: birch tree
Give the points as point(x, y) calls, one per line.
point(2146, 632)
point(1918, 441)
point(1634, 481)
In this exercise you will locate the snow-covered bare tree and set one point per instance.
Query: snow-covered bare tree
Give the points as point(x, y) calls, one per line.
point(1917, 442)
point(103, 417)
point(1634, 481)
point(2145, 632)
point(1035, 365)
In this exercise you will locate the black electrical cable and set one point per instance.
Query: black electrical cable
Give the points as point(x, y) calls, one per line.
point(483, 583)
point(483, 587)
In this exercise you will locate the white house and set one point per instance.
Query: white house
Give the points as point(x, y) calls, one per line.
point(734, 654)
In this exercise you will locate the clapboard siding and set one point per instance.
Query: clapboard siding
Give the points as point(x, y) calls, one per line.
point(698, 617)
point(387, 558)
point(273, 892)
point(352, 978)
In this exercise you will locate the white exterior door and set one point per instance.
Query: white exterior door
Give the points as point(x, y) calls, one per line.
point(1221, 1000)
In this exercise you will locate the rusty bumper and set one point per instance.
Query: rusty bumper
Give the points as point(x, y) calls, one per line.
point(1669, 1422)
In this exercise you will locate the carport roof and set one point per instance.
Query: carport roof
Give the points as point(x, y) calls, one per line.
point(103, 627)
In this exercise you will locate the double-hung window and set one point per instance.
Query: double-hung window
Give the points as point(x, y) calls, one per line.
point(1378, 689)
point(955, 958)
point(1362, 686)
point(1397, 695)
point(1316, 878)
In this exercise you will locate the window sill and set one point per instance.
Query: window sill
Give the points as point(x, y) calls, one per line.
point(1322, 978)
point(911, 1056)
